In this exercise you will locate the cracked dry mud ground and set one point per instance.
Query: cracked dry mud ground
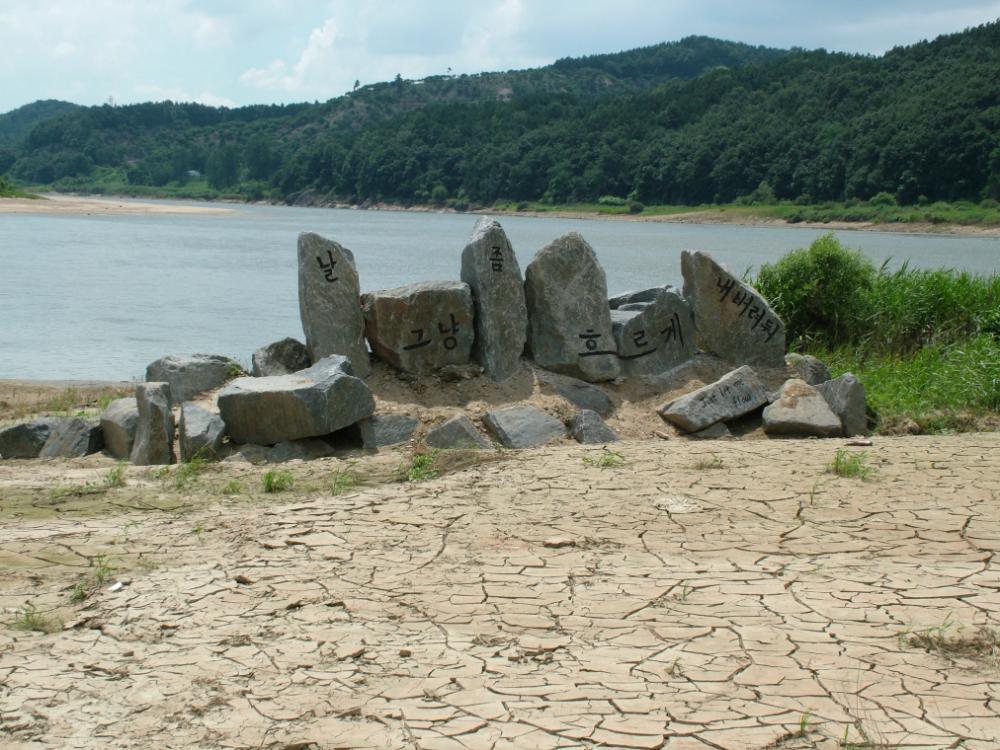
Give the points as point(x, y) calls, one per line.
point(700, 596)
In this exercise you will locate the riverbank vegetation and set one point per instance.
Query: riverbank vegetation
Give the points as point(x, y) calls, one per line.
point(7, 190)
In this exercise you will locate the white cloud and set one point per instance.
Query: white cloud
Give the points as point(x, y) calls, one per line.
point(316, 57)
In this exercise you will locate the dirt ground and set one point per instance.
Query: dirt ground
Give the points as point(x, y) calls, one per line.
point(55, 203)
point(670, 594)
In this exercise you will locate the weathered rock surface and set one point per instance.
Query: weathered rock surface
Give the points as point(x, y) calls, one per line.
point(316, 401)
point(569, 322)
point(656, 338)
point(421, 328)
point(808, 368)
point(73, 438)
point(25, 440)
point(201, 433)
point(249, 453)
point(189, 375)
point(306, 449)
point(581, 394)
point(490, 268)
point(717, 431)
point(330, 302)
point(733, 395)
point(281, 358)
point(801, 411)
point(457, 432)
point(119, 423)
point(588, 427)
point(641, 297)
point(154, 437)
point(380, 430)
point(731, 319)
point(846, 397)
point(523, 426)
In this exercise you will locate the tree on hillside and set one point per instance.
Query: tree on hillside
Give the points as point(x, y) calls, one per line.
point(223, 167)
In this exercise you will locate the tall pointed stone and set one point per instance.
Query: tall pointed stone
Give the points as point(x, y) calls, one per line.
point(330, 302)
point(154, 438)
point(569, 322)
point(490, 268)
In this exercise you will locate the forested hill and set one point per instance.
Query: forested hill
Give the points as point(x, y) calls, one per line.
point(690, 122)
point(16, 124)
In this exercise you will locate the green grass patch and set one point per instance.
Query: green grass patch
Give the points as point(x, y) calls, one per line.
point(852, 465)
point(344, 480)
point(420, 468)
point(277, 481)
point(606, 459)
point(115, 476)
point(30, 619)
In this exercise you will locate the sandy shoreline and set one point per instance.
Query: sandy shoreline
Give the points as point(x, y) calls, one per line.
point(73, 204)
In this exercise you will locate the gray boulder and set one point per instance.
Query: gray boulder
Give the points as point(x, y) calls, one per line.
point(569, 322)
point(154, 437)
point(280, 358)
point(731, 319)
point(808, 368)
point(457, 432)
point(490, 268)
point(189, 375)
point(642, 297)
point(523, 426)
point(717, 431)
point(119, 423)
point(73, 438)
point(588, 427)
point(306, 449)
point(26, 439)
point(316, 401)
point(656, 338)
point(733, 395)
point(380, 430)
point(846, 398)
point(801, 411)
point(250, 453)
point(201, 433)
point(330, 302)
point(579, 393)
point(421, 328)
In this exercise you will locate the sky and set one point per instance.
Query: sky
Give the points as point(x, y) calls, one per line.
point(236, 52)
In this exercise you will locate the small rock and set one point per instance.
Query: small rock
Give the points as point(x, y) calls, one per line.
point(733, 395)
point(73, 438)
point(249, 453)
point(280, 358)
point(305, 449)
point(580, 394)
point(154, 437)
point(119, 423)
point(201, 433)
point(457, 432)
point(189, 375)
point(846, 397)
point(716, 431)
point(588, 427)
point(558, 542)
point(806, 367)
point(801, 411)
point(523, 426)
point(380, 430)
point(25, 440)
point(405, 653)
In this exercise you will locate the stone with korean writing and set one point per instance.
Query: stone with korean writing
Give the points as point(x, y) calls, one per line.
point(733, 395)
point(421, 328)
point(490, 268)
point(569, 322)
point(656, 338)
point(731, 319)
point(330, 302)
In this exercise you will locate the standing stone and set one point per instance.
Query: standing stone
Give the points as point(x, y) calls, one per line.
point(587, 427)
point(73, 438)
point(656, 338)
point(490, 268)
point(808, 368)
point(421, 328)
point(846, 397)
point(523, 426)
point(569, 322)
point(330, 302)
point(280, 358)
point(380, 430)
point(154, 438)
point(801, 411)
point(189, 375)
point(201, 433)
point(457, 432)
point(731, 319)
point(733, 395)
point(25, 440)
point(119, 423)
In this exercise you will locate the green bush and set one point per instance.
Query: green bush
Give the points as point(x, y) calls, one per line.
point(883, 199)
point(635, 207)
point(611, 200)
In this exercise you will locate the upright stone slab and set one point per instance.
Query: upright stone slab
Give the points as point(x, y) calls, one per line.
point(73, 438)
point(201, 433)
point(191, 374)
point(490, 268)
point(119, 423)
point(657, 337)
point(421, 328)
point(846, 397)
point(26, 439)
point(733, 395)
point(731, 319)
point(281, 358)
point(569, 322)
point(800, 411)
point(154, 438)
point(330, 302)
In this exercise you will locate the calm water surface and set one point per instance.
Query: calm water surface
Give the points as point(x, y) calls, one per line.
point(102, 296)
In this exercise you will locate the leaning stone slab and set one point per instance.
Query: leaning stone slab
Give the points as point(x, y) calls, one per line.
point(579, 393)
point(380, 430)
point(25, 440)
point(801, 411)
point(306, 449)
point(189, 375)
point(319, 400)
point(523, 426)
point(656, 338)
point(731, 319)
point(119, 423)
point(73, 438)
point(154, 437)
point(733, 395)
point(587, 427)
point(490, 268)
point(421, 328)
point(846, 397)
point(280, 358)
point(806, 367)
point(201, 433)
point(457, 432)
point(569, 322)
point(641, 297)
point(330, 302)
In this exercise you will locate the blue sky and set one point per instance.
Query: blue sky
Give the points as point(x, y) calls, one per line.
point(235, 52)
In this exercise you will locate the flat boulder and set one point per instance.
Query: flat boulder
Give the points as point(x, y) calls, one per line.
point(119, 422)
point(306, 449)
point(280, 358)
point(316, 401)
point(523, 426)
point(330, 302)
point(456, 432)
point(801, 411)
point(656, 338)
point(733, 395)
point(26, 439)
point(201, 433)
point(846, 398)
point(808, 368)
point(569, 322)
point(381, 430)
point(581, 394)
point(189, 375)
point(490, 268)
point(731, 319)
point(587, 427)
point(421, 328)
point(154, 436)
point(73, 438)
